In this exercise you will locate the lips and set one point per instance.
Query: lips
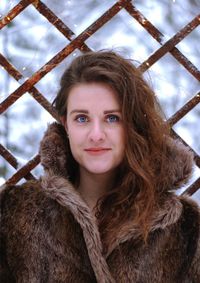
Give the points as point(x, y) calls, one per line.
point(98, 150)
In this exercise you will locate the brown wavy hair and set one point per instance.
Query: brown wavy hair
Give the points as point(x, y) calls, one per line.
point(135, 192)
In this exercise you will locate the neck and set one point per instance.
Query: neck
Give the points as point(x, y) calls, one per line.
point(93, 186)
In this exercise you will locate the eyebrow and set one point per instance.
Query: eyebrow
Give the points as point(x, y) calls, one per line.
point(86, 111)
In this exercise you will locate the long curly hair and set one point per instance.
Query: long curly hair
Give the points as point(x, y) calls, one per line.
point(136, 189)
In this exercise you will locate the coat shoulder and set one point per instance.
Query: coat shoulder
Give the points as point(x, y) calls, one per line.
point(26, 207)
point(27, 197)
point(190, 228)
point(38, 233)
point(190, 219)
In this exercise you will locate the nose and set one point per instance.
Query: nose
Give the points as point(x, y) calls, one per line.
point(97, 132)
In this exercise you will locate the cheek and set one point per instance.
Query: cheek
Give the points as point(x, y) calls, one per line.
point(76, 139)
point(76, 134)
point(72, 131)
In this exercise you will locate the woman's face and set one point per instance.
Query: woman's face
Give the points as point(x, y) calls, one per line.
point(95, 128)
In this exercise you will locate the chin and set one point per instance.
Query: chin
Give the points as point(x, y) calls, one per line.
point(100, 171)
point(93, 171)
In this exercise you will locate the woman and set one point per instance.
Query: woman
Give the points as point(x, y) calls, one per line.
point(105, 209)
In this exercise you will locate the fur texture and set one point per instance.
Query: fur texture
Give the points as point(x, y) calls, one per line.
point(48, 233)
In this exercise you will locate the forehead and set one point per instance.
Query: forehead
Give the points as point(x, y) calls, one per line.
point(92, 95)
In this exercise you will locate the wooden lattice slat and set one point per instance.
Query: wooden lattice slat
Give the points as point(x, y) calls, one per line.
point(155, 33)
point(14, 12)
point(59, 57)
point(13, 161)
point(24, 170)
point(60, 25)
point(169, 45)
point(35, 93)
point(184, 110)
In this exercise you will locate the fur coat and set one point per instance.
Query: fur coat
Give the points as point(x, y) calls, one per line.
point(49, 235)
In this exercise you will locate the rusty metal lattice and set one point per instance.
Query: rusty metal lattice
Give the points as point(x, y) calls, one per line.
point(78, 42)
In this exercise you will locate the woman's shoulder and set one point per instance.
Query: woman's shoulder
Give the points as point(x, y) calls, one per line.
point(185, 232)
point(20, 194)
point(190, 210)
point(182, 214)
point(27, 201)
point(190, 220)
point(190, 236)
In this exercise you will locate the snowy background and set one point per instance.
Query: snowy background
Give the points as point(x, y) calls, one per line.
point(30, 41)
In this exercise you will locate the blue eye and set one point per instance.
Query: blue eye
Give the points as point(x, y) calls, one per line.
point(112, 118)
point(81, 119)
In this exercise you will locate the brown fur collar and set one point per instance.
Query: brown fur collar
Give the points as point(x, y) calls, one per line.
point(53, 154)
point(59, 189)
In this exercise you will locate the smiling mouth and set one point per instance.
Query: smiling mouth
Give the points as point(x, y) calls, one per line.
point(97, 150)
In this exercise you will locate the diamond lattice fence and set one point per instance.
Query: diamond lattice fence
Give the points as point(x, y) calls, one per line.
point(78, 42)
